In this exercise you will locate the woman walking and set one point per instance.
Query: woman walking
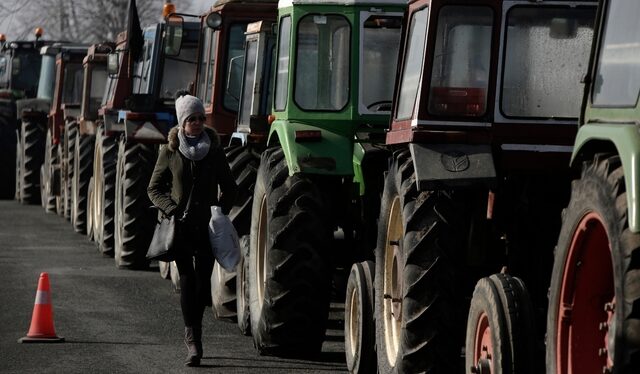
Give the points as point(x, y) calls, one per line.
point(185, 182)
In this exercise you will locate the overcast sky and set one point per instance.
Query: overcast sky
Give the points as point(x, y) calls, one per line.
point(10, 9)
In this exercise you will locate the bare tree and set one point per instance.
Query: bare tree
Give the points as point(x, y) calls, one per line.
point(86, 21)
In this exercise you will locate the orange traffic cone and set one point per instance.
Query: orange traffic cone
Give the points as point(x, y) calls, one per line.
point(41, 329)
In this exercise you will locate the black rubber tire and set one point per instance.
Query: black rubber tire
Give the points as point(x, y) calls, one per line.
point(506, 303)
point(223, 293)
point(7, 157)
point(244, 167)
point(175, 277)
point(90, 211)
point(290, 315)
point(134, 220)
point(32, 148)
point(432, 230)
point(360, 332)
point(600, 190)
point(106, 154)
point(68, 154)
point(242, 288)
point(243, 164)
point(17, 166)
point(82, 171)
point(59, 190)
point(49, 201)
point(164, 269)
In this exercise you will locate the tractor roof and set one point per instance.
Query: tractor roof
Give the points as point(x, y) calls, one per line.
point(288, 3)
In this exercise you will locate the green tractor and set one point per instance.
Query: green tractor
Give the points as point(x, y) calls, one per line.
point(314, 203)
point(19, 68)
point(593, 320)
point(485, 114)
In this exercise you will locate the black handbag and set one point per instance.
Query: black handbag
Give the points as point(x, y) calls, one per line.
point(168, 235)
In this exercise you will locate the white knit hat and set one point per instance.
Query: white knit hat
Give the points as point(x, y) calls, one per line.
point(186, 106)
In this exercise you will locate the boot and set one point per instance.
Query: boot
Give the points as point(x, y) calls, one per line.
point(192, 338)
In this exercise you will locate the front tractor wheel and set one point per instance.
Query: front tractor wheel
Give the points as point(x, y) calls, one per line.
point(289, 276)
point(359, 328)
point(416, 307)
point(500, 327)
point(593, 321)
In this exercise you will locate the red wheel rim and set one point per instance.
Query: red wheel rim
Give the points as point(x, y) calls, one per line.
point(585, 309)
point(483, 347)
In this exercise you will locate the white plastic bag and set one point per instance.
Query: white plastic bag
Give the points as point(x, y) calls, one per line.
point(224, 240)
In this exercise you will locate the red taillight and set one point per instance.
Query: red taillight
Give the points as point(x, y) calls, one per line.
point(134, 116)
point(271, 118)
point(308, 136)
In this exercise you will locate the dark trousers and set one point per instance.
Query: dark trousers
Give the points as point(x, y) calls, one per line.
point(195, 268)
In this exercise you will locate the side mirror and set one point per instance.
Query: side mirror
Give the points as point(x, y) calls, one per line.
point(173, 36)
point(214, 20)
point(112, 63)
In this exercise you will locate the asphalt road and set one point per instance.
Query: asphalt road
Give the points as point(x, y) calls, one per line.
point(114, 321)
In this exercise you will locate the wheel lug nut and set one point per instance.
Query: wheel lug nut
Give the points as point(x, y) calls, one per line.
point(608, 307)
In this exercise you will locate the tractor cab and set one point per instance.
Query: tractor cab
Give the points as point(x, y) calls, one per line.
point(333, 79)
point(492, 78)
point(221, 58)
point(145, 80)
point(67, 91)
point(95, 80)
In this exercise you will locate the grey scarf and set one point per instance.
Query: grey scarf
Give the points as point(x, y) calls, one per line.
point(194, 148)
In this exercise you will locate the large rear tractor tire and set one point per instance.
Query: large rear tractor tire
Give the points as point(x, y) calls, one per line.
point(417, 311)
point(243, 164)
point(49, 200)
point(223, 293)
point(289, 274)
point(82, 171)
point(7, 157)
point(175, 277)
point(134, 221)
point(242, 288)
point(593, 320)
point(165, 269)
point(244, 167)
point(500, 327)
point(104, 179)
point(68, 154)
point(91, 216)
point(32, 149)
point(359, 326)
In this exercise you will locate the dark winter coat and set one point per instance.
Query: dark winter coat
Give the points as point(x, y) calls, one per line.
point(174, 175)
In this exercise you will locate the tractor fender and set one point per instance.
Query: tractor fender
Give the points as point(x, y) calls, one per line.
point(440, 166)
point(29, 107)
point(328, 154)
point(623, 140)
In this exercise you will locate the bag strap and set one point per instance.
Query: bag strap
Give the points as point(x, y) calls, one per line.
point(195, 178)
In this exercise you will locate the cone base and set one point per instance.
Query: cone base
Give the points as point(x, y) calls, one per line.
point(28, 339)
